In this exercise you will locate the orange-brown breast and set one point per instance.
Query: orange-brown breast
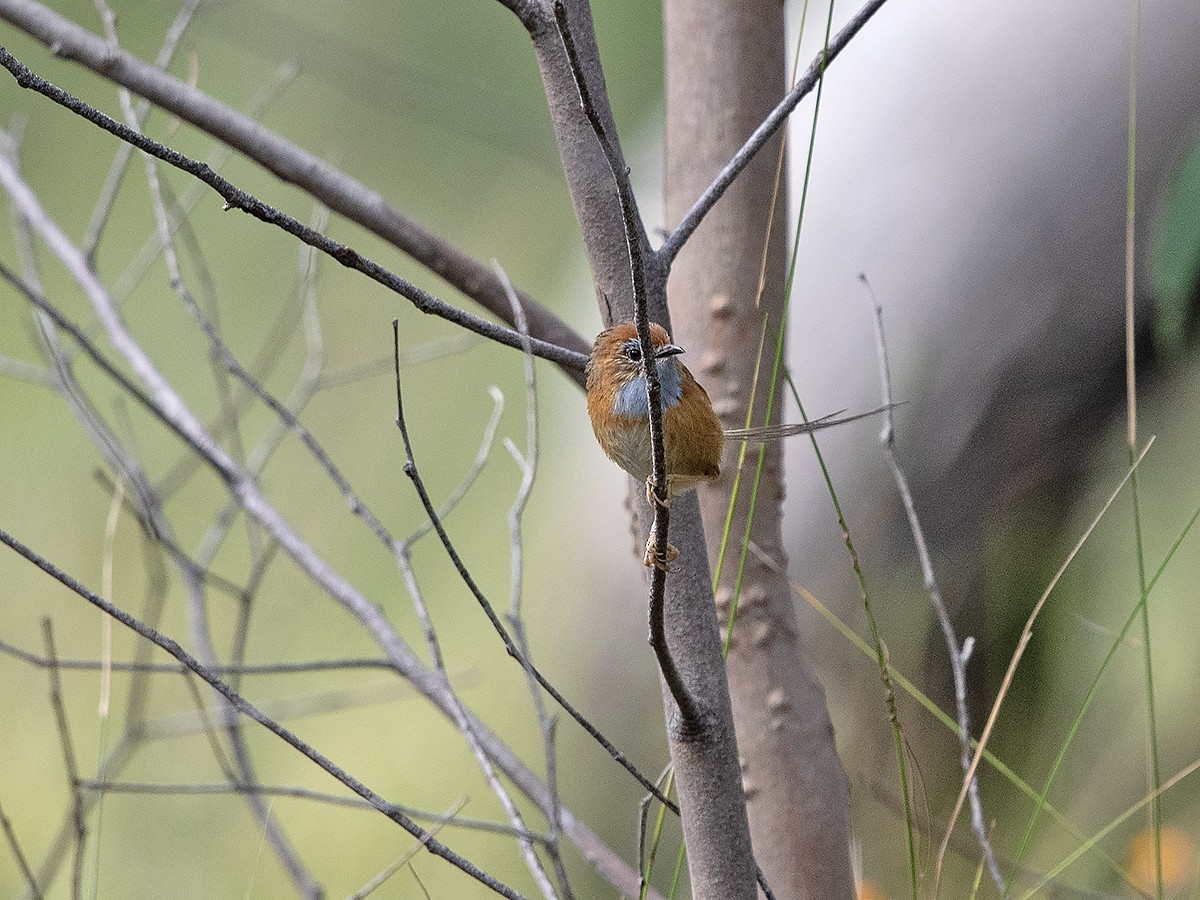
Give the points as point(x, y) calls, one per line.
point(692, 435)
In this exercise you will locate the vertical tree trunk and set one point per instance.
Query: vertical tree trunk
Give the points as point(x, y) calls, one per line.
point(725, 69)
point(704, 755)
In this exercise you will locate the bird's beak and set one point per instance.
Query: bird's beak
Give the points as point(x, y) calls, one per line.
point(667, 350)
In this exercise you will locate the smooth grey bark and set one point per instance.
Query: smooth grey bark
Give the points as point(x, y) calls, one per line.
point(715, 827)
point(725, 69)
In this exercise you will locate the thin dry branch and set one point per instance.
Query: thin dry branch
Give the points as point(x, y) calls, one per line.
point(959, 653)
point(162, 401)
point(68, 750)
point(300, 793)
point(14, 845)
point(510, 646)
point(120, 164)
point(293, 165)
point(293, 668)
point(249, 710)
point(571, 361)
point(527, 462)
point(291, 860)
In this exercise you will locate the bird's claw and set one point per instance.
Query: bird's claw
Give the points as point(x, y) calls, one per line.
point(653, 499)
point(660, 561)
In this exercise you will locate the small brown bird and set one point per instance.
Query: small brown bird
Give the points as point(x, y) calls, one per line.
point(693, 438)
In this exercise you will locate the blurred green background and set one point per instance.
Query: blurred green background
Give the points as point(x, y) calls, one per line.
point(442, 112)
point(440, 109)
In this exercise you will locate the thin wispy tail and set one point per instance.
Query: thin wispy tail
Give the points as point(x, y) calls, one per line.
point(774, 432)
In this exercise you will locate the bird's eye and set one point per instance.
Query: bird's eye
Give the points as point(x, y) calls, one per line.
point(633, 351)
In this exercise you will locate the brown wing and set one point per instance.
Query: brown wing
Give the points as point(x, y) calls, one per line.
point(693, 436)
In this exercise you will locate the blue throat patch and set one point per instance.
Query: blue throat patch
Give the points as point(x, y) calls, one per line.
point(632, 401)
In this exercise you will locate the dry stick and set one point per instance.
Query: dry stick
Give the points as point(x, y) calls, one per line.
point(437, 348)
point(458, 714)
point(174, 551)
point(148, 403)
point(262, 100)
point(68, 749)
point(283, 848)
point(62, 377)
point(146, 505)
point(292, 708)
point(959, 653)
point(20, 370)
point(91, 665)
point(690, 714)
point(167, 406)
point(812, 75)
point(221, 352)
point(1022, 643)
point(572, 361)
point(248, 709)
point(527, 462)
point(292, 164)
point(229, 417)
point(208, 729)
point(133, 733)
point(149, 507)
point(410, 469)
point(379, 880)
point(120, 163)
point(301, 393)
point(473, 473)
point(22, 862)
point(298, 398)
point(267, 790)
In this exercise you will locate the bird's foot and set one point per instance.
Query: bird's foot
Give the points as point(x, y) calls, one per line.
point(653, 499)
point(656, 560)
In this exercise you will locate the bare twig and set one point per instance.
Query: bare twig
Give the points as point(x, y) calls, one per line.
point(294, 165)
point(164, 403)
point(572, 361)
point(133, 734)
point(675, 241)
point(300, 793)
point(20, 370)
point(412, 355)
point(527, 462)
point(445, 819)
point(473, 473)
point(462, 721)
point(259, 103)
point(291, 860)
point(68, 750)
point(120, 163)
point(22, 863)
point(292, 668)
point(410, 469)
point(248, 709)
point(959, 653)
